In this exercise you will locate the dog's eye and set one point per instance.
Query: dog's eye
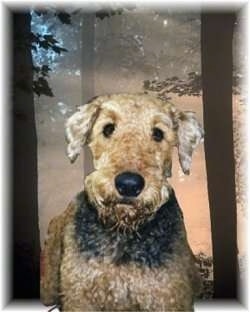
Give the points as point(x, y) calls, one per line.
point(108, 130)
point(158, 134)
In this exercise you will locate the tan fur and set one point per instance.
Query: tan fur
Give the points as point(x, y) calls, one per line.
point(106, 286)
point(102, 285)
point(52, 255)
point(131, 148)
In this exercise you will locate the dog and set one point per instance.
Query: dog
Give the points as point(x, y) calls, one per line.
point(121, 244)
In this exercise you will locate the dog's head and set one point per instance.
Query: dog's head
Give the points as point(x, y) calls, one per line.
point(131, 137)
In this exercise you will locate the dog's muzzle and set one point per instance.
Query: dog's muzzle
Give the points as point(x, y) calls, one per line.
point(129, 184)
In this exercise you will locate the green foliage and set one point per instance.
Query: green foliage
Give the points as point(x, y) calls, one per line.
point(191, 86)
point(205, 266)
point(101, 14)
point(63, 16)
point(40, 84)
point(47, 42)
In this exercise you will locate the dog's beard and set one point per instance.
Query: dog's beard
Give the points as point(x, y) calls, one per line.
point(124, 214)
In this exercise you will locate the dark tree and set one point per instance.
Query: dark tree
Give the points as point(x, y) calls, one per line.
point(25, 229)
point(217, 69)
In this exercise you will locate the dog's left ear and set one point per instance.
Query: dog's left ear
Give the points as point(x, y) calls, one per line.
point(189, 135)
point(78, 128)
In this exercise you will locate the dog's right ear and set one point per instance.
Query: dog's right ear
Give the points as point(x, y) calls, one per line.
point(189, 135)
point(78, 128)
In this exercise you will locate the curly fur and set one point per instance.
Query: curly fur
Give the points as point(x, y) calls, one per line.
point(107, 252)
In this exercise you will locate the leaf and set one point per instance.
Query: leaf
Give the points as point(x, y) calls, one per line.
point(41, 12)
point(45, 68)
point(33, 47)
point(33, 38)
point(101, 14)
point(36, 69)
point(44, 44)
point(41, 86)
point(64, 17)
point(41, 70)
point(50, 39)
point(48, 42)
point(58, 49)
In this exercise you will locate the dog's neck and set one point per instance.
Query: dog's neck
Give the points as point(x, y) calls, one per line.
point(151, 244)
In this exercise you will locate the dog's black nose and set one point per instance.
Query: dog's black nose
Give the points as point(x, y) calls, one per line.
point(129, 184)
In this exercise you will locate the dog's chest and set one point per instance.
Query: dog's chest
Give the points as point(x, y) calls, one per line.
point(99, 283)
point(105, 270)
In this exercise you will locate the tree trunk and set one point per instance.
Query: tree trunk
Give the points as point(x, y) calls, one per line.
point(87, 74)
point(216, 40)
point(26, 249)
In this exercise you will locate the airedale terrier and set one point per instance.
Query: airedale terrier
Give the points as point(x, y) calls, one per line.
point(121, 244)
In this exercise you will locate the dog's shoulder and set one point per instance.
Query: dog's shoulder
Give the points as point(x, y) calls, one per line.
point(58, 223)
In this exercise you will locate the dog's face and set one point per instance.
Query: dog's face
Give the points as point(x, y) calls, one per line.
point(131, 138)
